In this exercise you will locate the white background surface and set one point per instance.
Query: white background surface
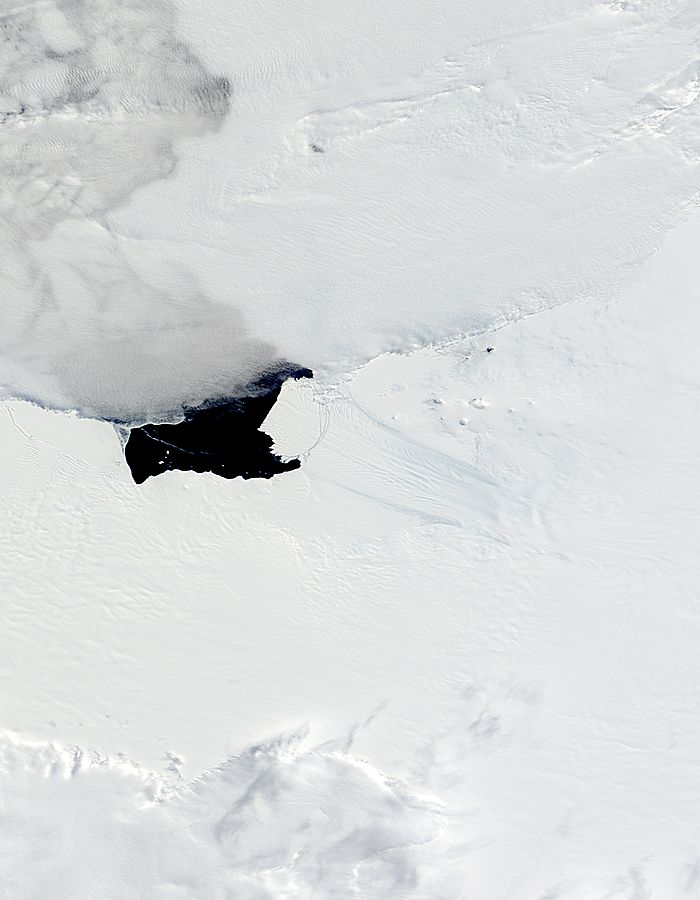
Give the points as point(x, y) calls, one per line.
point(455, 654)
point(509, 605)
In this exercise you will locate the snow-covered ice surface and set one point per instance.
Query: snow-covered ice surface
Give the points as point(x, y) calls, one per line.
point(489, 631)
point(191, 192)
point(455, 654)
